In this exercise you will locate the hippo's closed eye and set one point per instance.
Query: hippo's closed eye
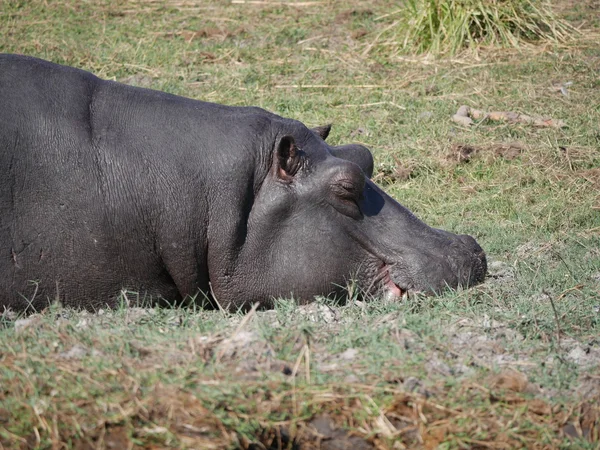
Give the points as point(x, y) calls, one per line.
point(347, 187)
point(346, 192)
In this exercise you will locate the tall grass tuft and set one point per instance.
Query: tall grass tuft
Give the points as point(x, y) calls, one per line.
point(450, 26)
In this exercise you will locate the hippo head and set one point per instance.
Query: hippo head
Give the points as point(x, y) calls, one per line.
point(318, 223)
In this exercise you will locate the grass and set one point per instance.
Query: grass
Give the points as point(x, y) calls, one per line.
point(512, 363)
point(441, 27)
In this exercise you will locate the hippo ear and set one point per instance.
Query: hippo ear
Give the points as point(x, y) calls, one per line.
point(358, 154)
point(323, 131)
point(288, 159)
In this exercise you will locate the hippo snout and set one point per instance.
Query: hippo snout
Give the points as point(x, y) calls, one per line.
point(448, 261)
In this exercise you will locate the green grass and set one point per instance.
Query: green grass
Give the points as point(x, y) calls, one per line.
point(163, 377)
point(448, 27)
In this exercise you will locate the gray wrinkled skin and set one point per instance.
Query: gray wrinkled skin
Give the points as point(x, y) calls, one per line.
point(107, 186)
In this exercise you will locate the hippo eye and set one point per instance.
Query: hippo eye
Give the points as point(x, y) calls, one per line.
point(345, 190)
point(348, 198)
point(349, 188)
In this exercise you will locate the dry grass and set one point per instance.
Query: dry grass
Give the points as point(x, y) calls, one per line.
point(228, 389)
point(89, 405)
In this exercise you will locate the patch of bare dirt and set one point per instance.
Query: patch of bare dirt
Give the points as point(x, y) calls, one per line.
point(480, 343)
point(463, 153)
point(500, 272)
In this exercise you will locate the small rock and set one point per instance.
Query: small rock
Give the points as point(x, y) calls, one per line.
point(462, 120)
point(463, 111)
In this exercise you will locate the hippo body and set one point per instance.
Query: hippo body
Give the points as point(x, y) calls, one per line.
point(108, 187)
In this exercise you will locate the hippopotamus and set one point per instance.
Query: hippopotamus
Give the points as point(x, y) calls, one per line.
point(109, 187)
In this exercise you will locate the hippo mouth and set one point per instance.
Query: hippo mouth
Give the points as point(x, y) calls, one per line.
point(391, 290)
